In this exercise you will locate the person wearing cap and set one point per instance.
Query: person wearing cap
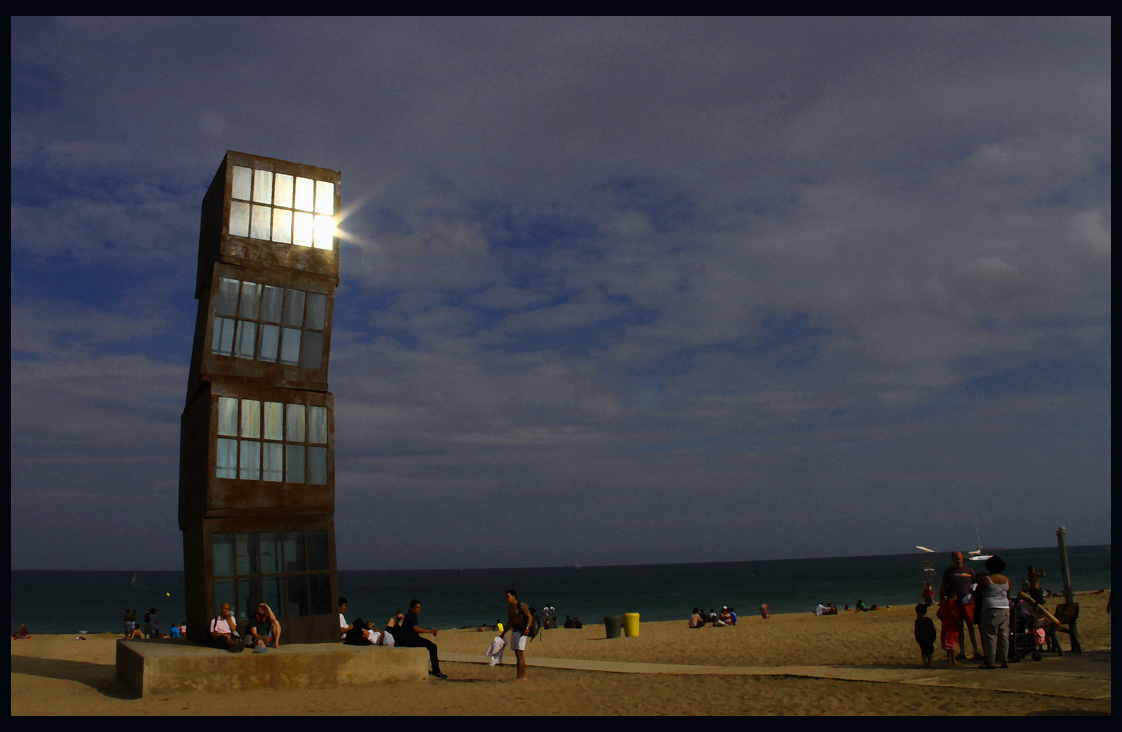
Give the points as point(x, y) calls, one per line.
point(961, 577)
point(995, 613)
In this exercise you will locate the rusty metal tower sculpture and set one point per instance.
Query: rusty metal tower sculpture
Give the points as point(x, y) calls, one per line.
point(257, 473)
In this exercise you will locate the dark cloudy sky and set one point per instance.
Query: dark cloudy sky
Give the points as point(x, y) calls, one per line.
point(614, 291)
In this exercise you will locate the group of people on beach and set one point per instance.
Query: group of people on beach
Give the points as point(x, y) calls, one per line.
point(404, 630)
point(969, 598)
point(726, 618)
point(151, 628)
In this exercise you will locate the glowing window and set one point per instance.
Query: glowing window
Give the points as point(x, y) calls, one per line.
point(305, 194)
point(282, 226)
point(325, 232)
point(302, 230)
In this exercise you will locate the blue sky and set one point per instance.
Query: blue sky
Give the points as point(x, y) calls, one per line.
point(613, 291)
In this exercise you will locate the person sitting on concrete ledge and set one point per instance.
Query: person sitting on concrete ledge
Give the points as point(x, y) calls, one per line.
point(264, 628)
point(410, 637)
point(224, 631)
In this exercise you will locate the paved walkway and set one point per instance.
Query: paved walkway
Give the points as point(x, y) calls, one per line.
point(1085, 676)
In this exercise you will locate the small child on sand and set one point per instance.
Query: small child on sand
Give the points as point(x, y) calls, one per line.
point(925, 635)
point(948, 615)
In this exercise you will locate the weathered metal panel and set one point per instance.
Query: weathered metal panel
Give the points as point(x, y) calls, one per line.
point(209, 505)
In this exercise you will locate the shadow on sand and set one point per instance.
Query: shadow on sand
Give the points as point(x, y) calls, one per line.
point(101, 677)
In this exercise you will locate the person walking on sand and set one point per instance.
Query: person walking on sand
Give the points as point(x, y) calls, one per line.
point(962, 578)
point(518, 624)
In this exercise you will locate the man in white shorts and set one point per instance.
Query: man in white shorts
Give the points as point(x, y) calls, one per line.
point(518, 623)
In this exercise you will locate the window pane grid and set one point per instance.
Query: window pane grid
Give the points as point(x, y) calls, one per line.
point(282, 208)
point(267, 323)
point(288, 570)
point(275, 442)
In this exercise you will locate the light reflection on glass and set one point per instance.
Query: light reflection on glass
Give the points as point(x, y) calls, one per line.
point(259, 227)
point(282, 193)
point(239, 219)
point(240, 185)
point(325, 232)
point(262, 186)
point(282, 226)
point(325, 197)
point(305, 193)
point(302, 230)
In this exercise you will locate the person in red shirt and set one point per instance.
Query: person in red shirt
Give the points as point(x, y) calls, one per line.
point(949, 624)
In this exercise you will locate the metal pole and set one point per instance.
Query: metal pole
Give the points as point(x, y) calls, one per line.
point(1064, 569)
point(1069, 594)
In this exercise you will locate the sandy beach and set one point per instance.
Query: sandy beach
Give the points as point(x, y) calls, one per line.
point(58, 675)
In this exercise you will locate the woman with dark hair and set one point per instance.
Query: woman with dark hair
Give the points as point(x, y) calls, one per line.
point(994, 590)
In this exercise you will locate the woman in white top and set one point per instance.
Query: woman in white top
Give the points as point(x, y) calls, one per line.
point(995, 613)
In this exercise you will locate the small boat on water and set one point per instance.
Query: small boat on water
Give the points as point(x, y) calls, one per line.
point(982, 553)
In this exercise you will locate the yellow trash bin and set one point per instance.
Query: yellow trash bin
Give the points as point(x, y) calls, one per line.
point(631, 625)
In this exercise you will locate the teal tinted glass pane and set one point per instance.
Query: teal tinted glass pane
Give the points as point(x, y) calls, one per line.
point(294, 308)
point(317, 310)
point(320, 592)
point(249, 465)
point(226, 302)
point(272, 462)
point(223, 592)
point(223, 341)
point(317, 425)
point(222, 554)
point(294, 551)
point(297, 595)
point(294, 427)
point(294, 464)
point(271, 304)
point(312, 355)
point(227, 416)
point(317, 466)
point(227, 459)
point(290, 347)
point(272, 594)
point(249, 595)
point(270, 343)
point(250, 304)
point(246, 550)
point(272, 548)
point(247, 339)
point(317, 552)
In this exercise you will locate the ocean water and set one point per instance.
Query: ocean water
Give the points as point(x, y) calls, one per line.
point(93, 602)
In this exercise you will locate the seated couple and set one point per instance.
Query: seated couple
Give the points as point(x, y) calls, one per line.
point(262, 631)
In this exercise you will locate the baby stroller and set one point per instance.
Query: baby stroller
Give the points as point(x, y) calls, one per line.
point(1028, 635)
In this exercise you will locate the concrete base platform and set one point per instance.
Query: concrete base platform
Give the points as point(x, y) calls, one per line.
point(161, 667)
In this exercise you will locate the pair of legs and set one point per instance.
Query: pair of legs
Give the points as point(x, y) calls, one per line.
point(434, 661)
point(225, 641)
point(962, 636)
point(995, 635)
